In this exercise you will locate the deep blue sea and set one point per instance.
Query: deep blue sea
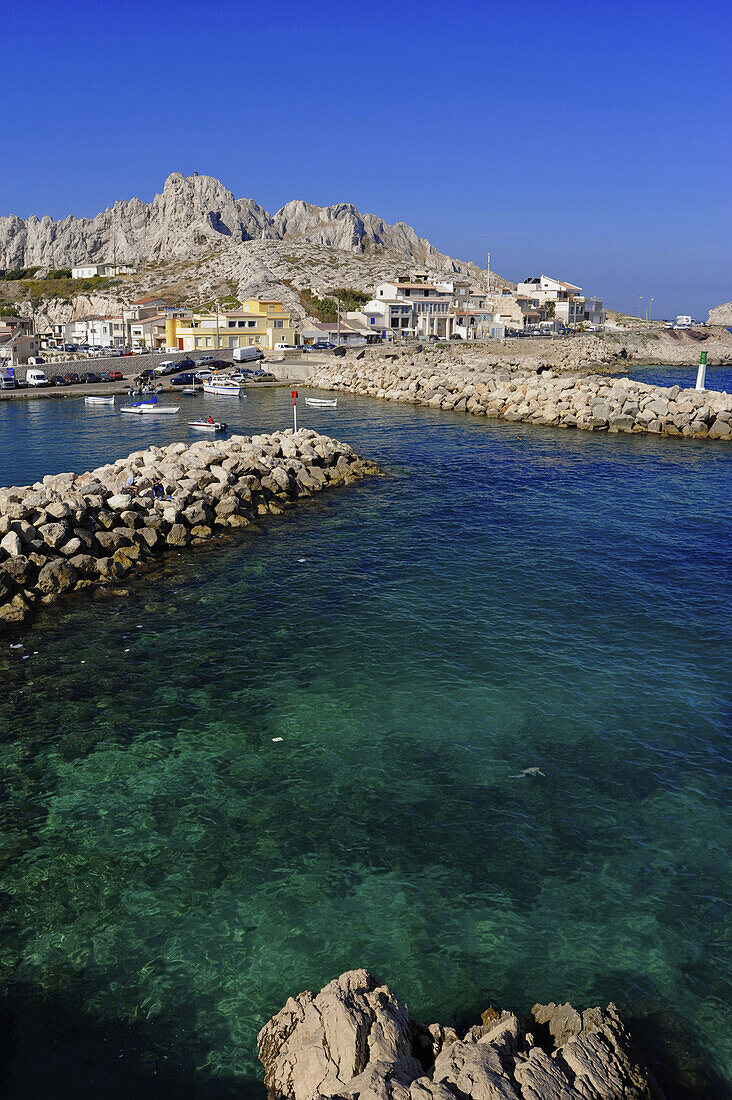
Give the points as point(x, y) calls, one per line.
point(500, 676)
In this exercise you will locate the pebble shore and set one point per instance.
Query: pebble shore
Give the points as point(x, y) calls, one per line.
point(73, 531)
point(553, 398)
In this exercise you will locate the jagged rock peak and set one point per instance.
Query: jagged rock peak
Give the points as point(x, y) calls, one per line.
point(191, 214)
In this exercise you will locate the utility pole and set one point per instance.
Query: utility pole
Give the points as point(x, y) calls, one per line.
point(650, 311)
point(640, 299)
point(216, 303)
point(339, 321)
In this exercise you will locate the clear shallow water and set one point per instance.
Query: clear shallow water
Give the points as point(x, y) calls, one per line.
point(506, 598)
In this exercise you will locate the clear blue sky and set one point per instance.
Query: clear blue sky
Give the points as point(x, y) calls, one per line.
point(590, 141)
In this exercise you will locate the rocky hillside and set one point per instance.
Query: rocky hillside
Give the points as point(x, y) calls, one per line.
point(196, 213)
point(195, 242)
point(721, 315)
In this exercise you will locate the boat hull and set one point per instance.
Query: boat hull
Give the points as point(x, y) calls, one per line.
point(150, 410)
point(220, 390)
point(204, 426)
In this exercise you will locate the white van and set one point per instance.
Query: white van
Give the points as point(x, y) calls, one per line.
point(34, 376)
point(247, 355)
point(164, 366)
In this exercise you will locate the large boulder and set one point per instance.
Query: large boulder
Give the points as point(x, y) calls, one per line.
point(56, 576)
point(356, 1040)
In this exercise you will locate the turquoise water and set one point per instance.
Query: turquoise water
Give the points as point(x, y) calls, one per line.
point(506, 598)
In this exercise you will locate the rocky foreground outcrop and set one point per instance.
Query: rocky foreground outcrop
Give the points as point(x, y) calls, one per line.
point(540, 396)
point(73, 531)
point(356, 1039)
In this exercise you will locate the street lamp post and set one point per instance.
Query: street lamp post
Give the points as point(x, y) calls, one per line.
point(640, 299)
point(650, 311)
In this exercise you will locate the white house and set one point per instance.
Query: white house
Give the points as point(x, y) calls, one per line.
point(566, 298)
point(89, 271)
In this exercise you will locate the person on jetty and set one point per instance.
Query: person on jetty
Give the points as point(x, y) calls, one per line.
point(130, 485)
point(157, 487)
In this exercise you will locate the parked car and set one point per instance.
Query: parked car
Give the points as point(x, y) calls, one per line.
point(187, 379)
point(106, 377)
point(286, 347)
point(203, 375)
point(262, 376)
point(455, 336)
point(146, 375)
point(116, 376)
point(72, 378)
point(205, 359)
point(60, 380)
point(8, 382)
point(89, 376)
point(323, 345)
point(70, 347)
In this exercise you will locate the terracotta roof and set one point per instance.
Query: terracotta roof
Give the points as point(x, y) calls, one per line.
point(143, 301)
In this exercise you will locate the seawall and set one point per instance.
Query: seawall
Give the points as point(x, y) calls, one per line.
point(75, 531)
point(590, 402)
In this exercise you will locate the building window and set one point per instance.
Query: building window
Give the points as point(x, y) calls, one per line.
point(279, 324)
point(199, 342)
point(252, 324)
point(209, 342)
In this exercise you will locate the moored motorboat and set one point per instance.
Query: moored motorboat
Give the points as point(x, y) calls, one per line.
point(322, 402)
point(208, 425)
point(222, 387)
point(98, 399)
point(150, 407)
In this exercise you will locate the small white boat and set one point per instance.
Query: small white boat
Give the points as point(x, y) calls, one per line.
point(150, 407)
point(322, 403)
point(190, 390)
point(208, 425)
point(93, 399)
point(222, 387)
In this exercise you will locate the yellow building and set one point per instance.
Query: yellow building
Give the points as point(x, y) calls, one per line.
point(257, 324)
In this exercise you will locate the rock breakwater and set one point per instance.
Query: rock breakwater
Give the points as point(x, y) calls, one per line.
point(563, 400)
point(356, 1039)
point(72, 531)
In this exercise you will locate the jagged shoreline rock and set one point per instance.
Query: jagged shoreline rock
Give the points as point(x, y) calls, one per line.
point(72, 531)
point(591, 402)
point(356, 1039)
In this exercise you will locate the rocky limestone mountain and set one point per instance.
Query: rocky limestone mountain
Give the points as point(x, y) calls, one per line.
point(721, 315)
point(194, 214)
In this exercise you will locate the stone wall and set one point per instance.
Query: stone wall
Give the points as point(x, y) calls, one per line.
point(129, 365)
point(564, 400)
point(73, 531)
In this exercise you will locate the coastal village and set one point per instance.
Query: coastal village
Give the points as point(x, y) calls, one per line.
point(414, 306)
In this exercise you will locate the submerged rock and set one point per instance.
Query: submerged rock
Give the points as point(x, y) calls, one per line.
point(356, 1039)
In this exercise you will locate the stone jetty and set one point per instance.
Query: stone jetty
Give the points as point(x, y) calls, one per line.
point(73, 531)
point(356, 1039)
point(559, 399)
